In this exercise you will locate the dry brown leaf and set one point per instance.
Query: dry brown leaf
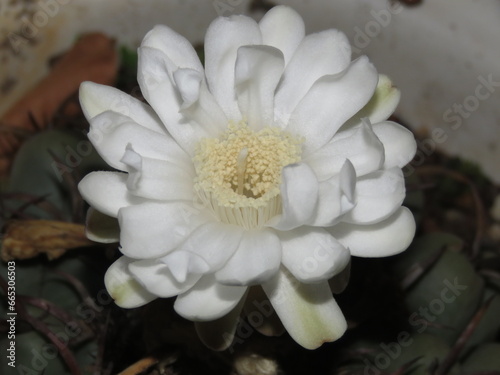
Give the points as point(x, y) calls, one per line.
point(26, 239)
point(140, 366)
point(92, 58)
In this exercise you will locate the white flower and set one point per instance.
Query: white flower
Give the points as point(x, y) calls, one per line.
point(268, 166)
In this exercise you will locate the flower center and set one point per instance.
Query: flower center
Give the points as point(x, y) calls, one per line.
point(239, 173)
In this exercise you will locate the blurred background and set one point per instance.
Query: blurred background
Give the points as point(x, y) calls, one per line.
point(437, 52)
point(444, 57)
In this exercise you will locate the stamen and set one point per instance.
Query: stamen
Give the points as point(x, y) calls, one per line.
point(241, 168)
point(239, 173)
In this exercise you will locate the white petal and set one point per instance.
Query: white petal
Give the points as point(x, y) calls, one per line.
point(360, 145)
point(183, 263)
point(331, 101)
point(101, 228)
point(219, 334)
point(308, 311)
point(283, 28)
point(223, 38)
point(257, 259)
point(382, 105)
point(386, 238)
point(312, 254)
point(152, 229)
point(107, 192)
point(158, 179)
point(299, 194)
point(96, 99)
point(214, 242)
point(320, 54)
point(259, 312)
point(157, 278)
point(378, 195)
point(198, 104)
point(123, 288)
point(336, 197)
point(399, 143)
point(258, 71)
point(110, 133)
point(339, 282)
point(384, 102)
point(177, 48)
point(188, 82)
point(155, 76)
point(208, 300)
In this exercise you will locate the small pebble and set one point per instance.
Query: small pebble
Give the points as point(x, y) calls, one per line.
point(494, 232)
point(254, 364)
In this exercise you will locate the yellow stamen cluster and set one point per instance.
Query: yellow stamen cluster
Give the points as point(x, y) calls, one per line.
point(239, 173)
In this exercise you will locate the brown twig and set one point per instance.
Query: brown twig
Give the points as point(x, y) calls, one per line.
point(454, 353)
point(42, 328)
point(32, 200)
point(80, 288)
point(101, 339)
point(418, 269)
point(71, 181)
point(61, 315)
point(403, 369)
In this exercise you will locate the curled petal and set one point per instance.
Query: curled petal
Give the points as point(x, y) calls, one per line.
point(155, 76)
point(312, 254)
point(382, 104)
point(111, 132)
point(107, 192)
point(198, 104)
point(385, 238)
point(158, 179)
point(336, 197)
point(331, 101)
point(223, 38)
point(399, 143)
point(188, 82)
point(283, 28)
point(158, 279)
point(299, 193)
point(183, 263)
point(208, 300)
point(359, 145)
point(178, 49)
point(96, 99)
point(378, 195)
point(257, 259)
point(308, 311)
point(258, 71)
point(122, 286)
point(101, 228)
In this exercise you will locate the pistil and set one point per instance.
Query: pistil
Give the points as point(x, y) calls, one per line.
point(241, 168)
